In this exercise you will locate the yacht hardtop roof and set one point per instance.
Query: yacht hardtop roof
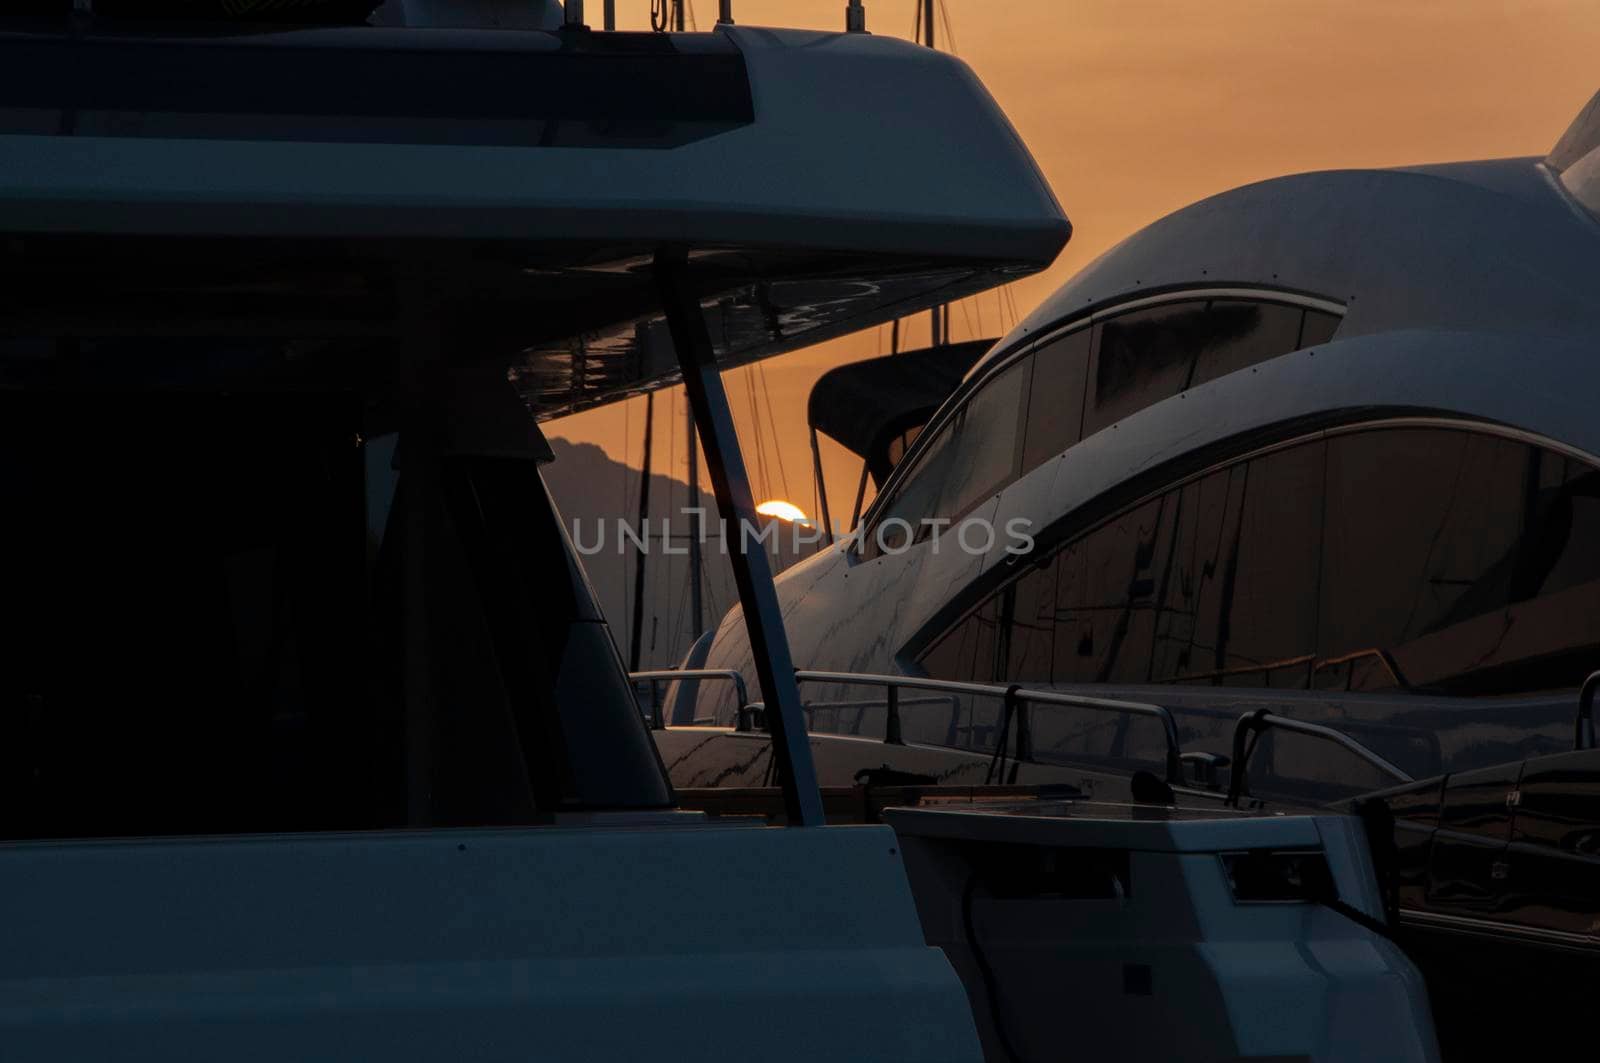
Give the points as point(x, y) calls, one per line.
point(519, 186)
point(1494, 244)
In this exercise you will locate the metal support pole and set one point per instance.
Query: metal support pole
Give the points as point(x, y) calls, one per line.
point(697, 611)
point(791, 748)
point(891, 723)
point(610, 14)
point(855, 17)
point(822, 489)
point(725, 13)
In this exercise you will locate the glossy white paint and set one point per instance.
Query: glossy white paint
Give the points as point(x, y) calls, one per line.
point(1175, 968)
point(867, 100)
point(1469, 293)
point(539, 944)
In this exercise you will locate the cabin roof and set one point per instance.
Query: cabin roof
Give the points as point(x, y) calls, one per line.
point(519, 182)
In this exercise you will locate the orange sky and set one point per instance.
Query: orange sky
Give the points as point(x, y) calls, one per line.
point(1134, 108)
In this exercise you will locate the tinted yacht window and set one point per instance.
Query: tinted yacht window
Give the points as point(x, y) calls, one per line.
point(1457, 562)
point(1189, 586)
point(1188, 639)
point(1140, 358)
point(1267, 612)
point(1153, 353)
point(1240, 334)
point(1030, 625)
point(1055, 398)
point(1433, 559)
point(1106, 597)
point(1080, 382)
point(973, 456)
point(1317, 328)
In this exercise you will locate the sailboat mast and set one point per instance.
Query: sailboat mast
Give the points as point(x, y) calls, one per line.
point(696, 605)
point(644, 533)
point(938, 316)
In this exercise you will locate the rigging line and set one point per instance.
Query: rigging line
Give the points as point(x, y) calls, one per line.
point(622, 505)
point(675, 628)
point(668, 513)
point(949, 29)
point(966, 315)
point(755, 427)
point(772, 423)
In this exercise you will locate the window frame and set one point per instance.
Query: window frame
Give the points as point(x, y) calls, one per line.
point(988, 370)
point(1002, 592)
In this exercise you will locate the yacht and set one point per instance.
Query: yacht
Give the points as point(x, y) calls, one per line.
point(1309, 470)
point(315, 743)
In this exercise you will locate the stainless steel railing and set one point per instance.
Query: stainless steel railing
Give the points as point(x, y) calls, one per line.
point(1262, 720)
point(667, 675)
point(1015, 699)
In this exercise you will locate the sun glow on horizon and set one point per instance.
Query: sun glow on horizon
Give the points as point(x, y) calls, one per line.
point(777, 507)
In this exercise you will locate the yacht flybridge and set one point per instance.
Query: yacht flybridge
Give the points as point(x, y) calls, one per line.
point(315, 744)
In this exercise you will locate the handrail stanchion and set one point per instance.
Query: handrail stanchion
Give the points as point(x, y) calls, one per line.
point(891, 723)
point(1261, 719)
point(1238, 781)
point(1583, 732)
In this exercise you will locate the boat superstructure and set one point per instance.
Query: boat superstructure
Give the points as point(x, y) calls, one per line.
point(317, 745)
point(1312, 468)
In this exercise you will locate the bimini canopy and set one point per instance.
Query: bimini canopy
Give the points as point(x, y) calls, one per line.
point(1576, 156)
point(867, 405)
point(374, 196)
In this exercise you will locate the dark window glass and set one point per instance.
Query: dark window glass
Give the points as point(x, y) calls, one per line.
point(986, 443)
point(973, 456)
point(1108, 602)
point(1212, 582)
point(1317, 327)
point(1084, 381)
point(1030, 637)
point(1267, 626)
point(1188, 645)
point(966, 653)
point(918, 497)
point(1055, 400)
point(1144, 356)
point(1240, 334)
point(1140, 358)
point(1458, 562)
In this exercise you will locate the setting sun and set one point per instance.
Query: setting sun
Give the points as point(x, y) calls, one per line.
point(782, 510)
